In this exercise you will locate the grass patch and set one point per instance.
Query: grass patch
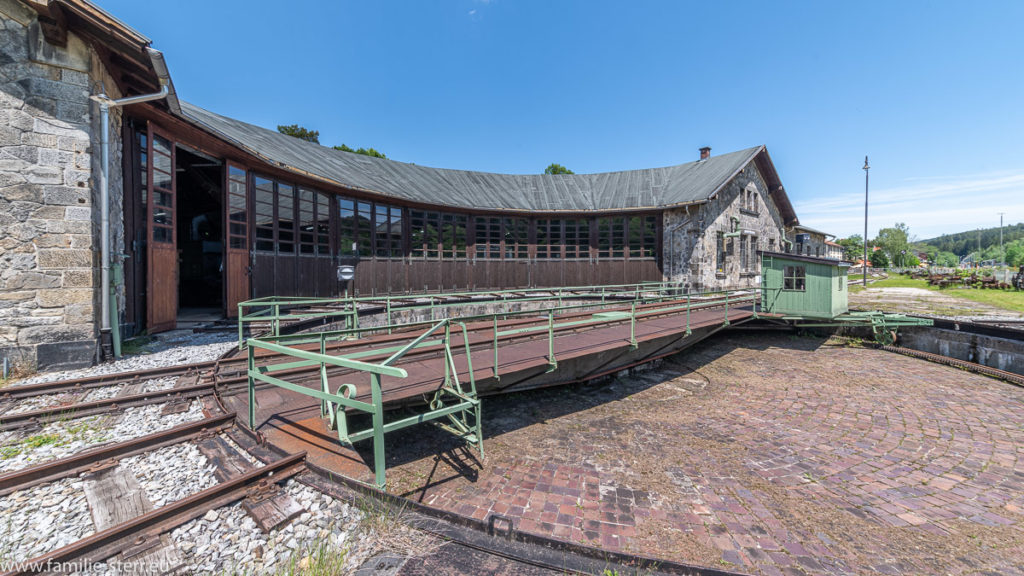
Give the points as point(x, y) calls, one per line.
point(136, 345)
point(1012, 300)
point(1006, 299)
point(30, 443)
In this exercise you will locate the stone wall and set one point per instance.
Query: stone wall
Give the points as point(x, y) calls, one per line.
point(690, 235)
point(49, 213)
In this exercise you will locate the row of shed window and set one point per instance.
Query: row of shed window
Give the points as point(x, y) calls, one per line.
point(297, 220)
point(748, 251)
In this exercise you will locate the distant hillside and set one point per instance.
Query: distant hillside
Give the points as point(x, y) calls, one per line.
point(963, 243)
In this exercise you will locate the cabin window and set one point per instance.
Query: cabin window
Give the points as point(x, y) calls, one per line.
point(642, 240)
point(307, 221)
point(163, 195)
point(453, 235)
point(611, 236)
point(236, 208)
point(549, 239)
point(354, 227)
point(388, 231)
point(577, 238)
point(794, 278)
point(434, 234)
point(517, 238)
point(323, 224)
point(488, 238)
point(285, 218)
point(264, 208)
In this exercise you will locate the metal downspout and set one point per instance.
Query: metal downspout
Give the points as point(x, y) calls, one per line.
point(106, 104)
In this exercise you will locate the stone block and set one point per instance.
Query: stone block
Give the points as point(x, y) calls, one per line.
point(19, 296)
point(22, 356)
point(52, 298)
point(43, 174)
point(75, 77)
point(54, 333)
point(83, 161)
point(78, 178)
point(54, 157)
point(22, 193)
point(32, 280)
point(29, 154)
point(72, 111)
point(52, 241)
point(75, 55)
point(65, 195)
point(43, 140)
point(48, 126)
point(78, 213)
point(10, 179)
point(65, 227)
point(9, 136)
point(66, 355)
point(81, 240)
point(41, 106)
point(20, 261)
point(78, 278)
point(65, 258)
point(49, 213)
point(78, 313)
point(21, 120)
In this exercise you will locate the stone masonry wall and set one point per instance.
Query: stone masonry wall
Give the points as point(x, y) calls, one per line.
point(49, 212)
point(690, 235)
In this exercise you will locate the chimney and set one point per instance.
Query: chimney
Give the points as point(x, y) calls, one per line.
point(705, 153)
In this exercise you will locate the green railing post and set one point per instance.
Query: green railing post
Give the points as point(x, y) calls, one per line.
point(447, 343)
point(387, 307)
point(241, 328)
point(323, 374)
point(252, 388)
point(632, 328)
point(276, 323)
point(497, 376)
point(688, 331)
point(378, 430)
point(552, 361)
point(726, 323)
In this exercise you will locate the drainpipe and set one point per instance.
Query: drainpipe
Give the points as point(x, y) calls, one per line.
point(106, 104)
point(782, 238)
point(736, 232)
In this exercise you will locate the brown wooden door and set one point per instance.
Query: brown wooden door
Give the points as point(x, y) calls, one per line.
point(236, 255)
point(162, 242)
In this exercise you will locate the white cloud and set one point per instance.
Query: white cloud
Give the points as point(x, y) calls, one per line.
point(930, 206)
point(472, 12)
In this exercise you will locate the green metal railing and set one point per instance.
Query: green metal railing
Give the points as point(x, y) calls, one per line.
point(453, 400)
point(273, 311)
point(464, 418)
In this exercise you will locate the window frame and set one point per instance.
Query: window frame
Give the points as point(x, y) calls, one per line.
point(794, 278)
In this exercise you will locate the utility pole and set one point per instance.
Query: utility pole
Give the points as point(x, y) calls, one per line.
point(866, 168)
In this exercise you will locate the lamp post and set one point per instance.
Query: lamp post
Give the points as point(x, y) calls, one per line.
point(866, 168)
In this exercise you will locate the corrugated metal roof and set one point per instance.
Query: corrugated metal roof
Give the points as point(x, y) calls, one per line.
point(688, 183)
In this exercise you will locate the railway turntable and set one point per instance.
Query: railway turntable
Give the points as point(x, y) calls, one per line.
point(327, 391)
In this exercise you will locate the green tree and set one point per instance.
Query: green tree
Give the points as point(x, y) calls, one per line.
point(946, 260)
point(557, 169)
point(895, 242)
point(1015, 253)
point(363, 151)
point(300, 132)
point(853, 247)
point(878, 259)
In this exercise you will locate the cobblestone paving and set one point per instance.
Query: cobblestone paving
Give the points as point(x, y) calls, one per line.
point(759, 454)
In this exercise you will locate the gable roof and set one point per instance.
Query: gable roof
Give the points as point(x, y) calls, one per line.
point(650, 188)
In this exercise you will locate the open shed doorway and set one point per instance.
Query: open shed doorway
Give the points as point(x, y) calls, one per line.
point(200, 213)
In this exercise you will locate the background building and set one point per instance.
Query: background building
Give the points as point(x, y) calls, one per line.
point(206, 211)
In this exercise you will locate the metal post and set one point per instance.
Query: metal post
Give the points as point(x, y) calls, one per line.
point(387, 306)
point(378, 430)
point(688, 331)
point(726, 323)
point(241, 329)
point(252, 389)
point(1002, 254)
point(632, 327)
point(496, 375)
point(866, 168)
point(551, 338)
point(323, 375)
point(277, 319)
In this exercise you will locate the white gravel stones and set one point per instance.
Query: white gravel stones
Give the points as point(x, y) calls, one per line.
point(66, 437)
point(170, 349)
point(171, 473)
point(40, 402)
point(229, 541)
point(43, 518)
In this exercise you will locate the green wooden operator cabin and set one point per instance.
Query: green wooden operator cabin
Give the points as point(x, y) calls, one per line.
point(805, 286)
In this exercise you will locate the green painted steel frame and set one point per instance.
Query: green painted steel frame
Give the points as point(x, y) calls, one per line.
point(274, 310)
point(883, 325)
point(333, 405)
point(463, 413)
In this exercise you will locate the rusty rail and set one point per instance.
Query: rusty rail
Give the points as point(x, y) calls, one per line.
point(105, 406)
point(112, 541)
point(87, 460)
point(101, 380)
point(1011, 377)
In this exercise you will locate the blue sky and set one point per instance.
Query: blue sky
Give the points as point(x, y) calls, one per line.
point(932, 91)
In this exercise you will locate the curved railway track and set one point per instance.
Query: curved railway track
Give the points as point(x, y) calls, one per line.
point(494, 539)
